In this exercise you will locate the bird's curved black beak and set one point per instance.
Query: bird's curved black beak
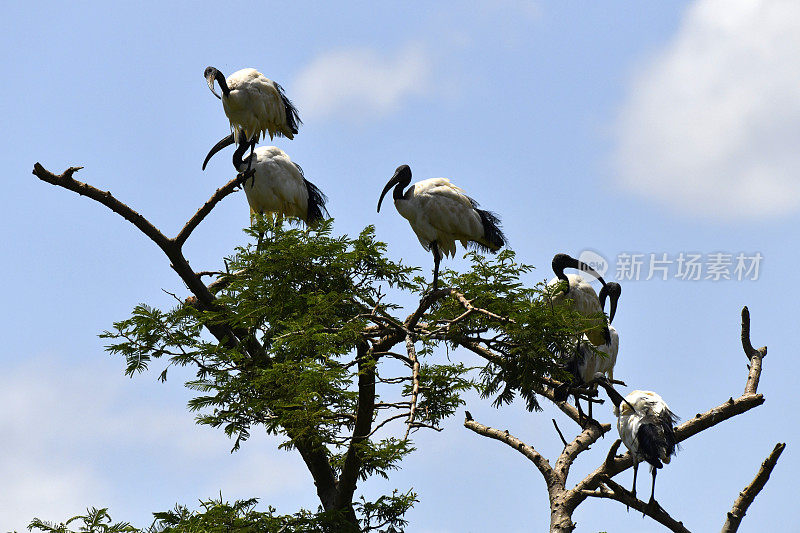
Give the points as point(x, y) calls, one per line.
point(227, 141)
point(392, 182)
point(613, 291)
point(210, 75)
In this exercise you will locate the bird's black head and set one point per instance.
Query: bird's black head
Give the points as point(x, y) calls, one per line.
point(400, 179)
point(613, 291)
point(211, 74)
point(563, 261)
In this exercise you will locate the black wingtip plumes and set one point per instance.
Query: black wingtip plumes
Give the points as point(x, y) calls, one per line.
point(292, 117)
point(316, 204)
point(491, 230)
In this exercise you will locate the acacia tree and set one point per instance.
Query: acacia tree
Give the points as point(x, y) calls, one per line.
point(296, 337)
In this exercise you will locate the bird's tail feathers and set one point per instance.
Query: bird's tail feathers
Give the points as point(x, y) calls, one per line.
point(292, 117)
point(316, 204)
point(492, 233)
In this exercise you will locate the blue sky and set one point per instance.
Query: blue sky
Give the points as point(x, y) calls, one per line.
point(629, 127)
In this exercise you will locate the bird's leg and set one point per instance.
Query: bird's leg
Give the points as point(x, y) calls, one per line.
point(581, 416)
point(435, 249)
point(635, 469)
point(590, 409)
point(652, 503)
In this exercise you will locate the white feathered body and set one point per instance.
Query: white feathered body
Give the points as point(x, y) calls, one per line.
point(648, 408)
point(278, 186)
point(255, 105)
point(439, 211)
point(591, 362)
point(585, 301)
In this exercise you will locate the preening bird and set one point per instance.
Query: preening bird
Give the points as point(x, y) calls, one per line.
point(278, 185)
point(441, 214)
point(587, 363)
point(582, 363)
point(584, 299)
point(645, 424)
point(255, 105)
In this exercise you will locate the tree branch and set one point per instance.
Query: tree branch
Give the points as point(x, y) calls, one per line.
point(535, 457)
point(613, 464)
point(750, 492)
point(201, 213)
point(66, 181)
point(755, 356)
point(656, 512)
point(412, 355)
point(361, 429)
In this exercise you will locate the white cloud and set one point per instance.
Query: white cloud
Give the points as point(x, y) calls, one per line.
point(360, 83)
point(712, 124)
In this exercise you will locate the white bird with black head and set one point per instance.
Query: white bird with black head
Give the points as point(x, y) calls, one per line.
point(584, 361)
point(645, 424)
point(255, 105)
point(582, 297)
point(441, 214)
point(278, 185)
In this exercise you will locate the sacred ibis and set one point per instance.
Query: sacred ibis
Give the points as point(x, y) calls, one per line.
point(278, 185)
point(586, 362)
point(441, 214)
point(583, 297)
point(645, 424)
point(255, 105)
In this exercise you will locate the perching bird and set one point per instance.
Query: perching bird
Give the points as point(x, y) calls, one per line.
point(584, 298)
point(586, 363)
point(582, 361)
point(278, 186)
point(441, 214)
point(645, 424)
point(255, 105)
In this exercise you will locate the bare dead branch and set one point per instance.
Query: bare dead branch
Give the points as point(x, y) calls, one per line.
point(755, 356)
point(203, 212)
point(590, 434)
point(749, 493)
point(66, 181)
point(656, 512)
point(529, 452)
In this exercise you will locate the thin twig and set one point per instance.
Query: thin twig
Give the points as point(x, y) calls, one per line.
point(559, 433)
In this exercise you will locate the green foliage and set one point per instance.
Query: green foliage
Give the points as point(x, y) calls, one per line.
point(303, 295)
point(531, 338)
point(293, 311)
point(440, 388)
point(94, 521)
point(384, 515)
